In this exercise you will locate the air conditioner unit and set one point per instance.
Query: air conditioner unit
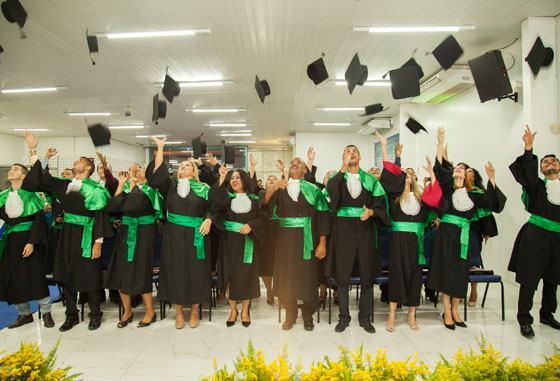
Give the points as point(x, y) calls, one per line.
point(373, 125)
point(445, 84)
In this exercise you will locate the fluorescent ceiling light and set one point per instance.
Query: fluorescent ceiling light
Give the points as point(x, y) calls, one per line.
point(124, 127)
point(332, 124)
point(342, 108)
point(160, 33)
point(227, 124)
point(232, 131)
point(377, 83)
point(89, 113)
point(155, 136)
point(236, 134)
point(29, 90)
point(413, 29)
point(175, 142)
point(204, 83)
point(30, 129)
point(242, 141)
point(187, 151)
point(216, 109)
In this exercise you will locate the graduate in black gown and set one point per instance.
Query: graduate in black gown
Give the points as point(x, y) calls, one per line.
point(450, 261)
point(185, 263)
point(536, 253)
point(242, 224)
point(302, 212)
point(267, 249)
point(410, 209)
point(358, 200)
point(131, 266)
point(22, 250)
point(78, 263)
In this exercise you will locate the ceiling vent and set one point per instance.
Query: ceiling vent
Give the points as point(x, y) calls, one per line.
point(374, 125)
point(445, 84)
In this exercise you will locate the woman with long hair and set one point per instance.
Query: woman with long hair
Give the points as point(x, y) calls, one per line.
point(450, 261)
point(242, 224)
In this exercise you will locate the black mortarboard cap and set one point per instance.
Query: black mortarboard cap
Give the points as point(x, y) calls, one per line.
point(372, 109)
point(93, 46)
point(490, 76)
point(100, 134)
point(1, 49)
point(198, 147)
point(262, 87)
point(448, 52)
point(228, 154)
point(356, 74)
point(414, 126)
point(13, 12)
point(539, 56)
point(170, 88)
point(412, 63)
point(159, 109)
point(317, 72)
point(404, 82)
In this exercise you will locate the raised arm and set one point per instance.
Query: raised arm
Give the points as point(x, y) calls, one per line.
point(383, 142)
point(159, 154)
point(440, 144)
point(252, 164)
point(310, 158)
point(32, 142)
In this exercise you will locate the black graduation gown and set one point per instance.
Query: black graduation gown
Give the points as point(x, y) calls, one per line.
point(54, 233)
point(405, 273)
point(134, 277)
point(449, 273)
point(295, 277)
point(267, 246)
point(480, 228)
point(353, 240)
point(74, 271)
point(23, 279)
point(536, 252)
point(184, 279)
point(243, 277)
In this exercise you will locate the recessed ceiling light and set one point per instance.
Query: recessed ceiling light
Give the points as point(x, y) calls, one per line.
point(204, 83)
point(332, 124)
point(216, 110)
point(155, 33)
point(124, 127)
point(174, 142)
point(30, 129)
point(227, 124)
point(30, 90)
point(341, 108)
point(412, 29)
point(242, 141)
point(234, 131)
point(89, 113)
point(155, 136)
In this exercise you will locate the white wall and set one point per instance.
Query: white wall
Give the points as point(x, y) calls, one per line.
point(12, 149)
point(267, 158)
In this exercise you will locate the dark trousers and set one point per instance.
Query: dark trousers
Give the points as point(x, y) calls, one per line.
point(307, 310)
point(365, 304)
point(94, 302)
point(525, 303)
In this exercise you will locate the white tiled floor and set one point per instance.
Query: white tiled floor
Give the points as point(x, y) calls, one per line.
point(161, 352)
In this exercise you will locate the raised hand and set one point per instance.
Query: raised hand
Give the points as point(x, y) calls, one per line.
point(223, 171)
point(198, 161)
point(31, 140)
point(310, 154)
point(398, 149)
point(158, 142)
point(122, 177)
point(491, 172)
point(132, 168)
point(441, 135)
point(382, 139)
point(50, 153)
point(253, 160)
point(280, 165)
point(528, 138)
point(211, 159)
point(280, 184)
point(102, 159)
point(429, 168)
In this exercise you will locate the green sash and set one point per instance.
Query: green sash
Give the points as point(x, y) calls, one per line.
point(32, 202)
point(233, 226)
point(95, 195)
point(349, 211)
point(314, 196)
point(200, 189)
point(191, 222)
point(465, 226)
point(153, 195)
point(132, 223)
point(418, 229)
point(541, 222)
point(300, 222)
point(87, 235)
point(21, 227)
point(369, 182)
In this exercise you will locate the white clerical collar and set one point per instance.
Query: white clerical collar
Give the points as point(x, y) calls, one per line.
point(13, 205)
point(461, 200)
point(353, 184)
point(241, 203)
point(410, 205)
point(74, 186)
point(183, 187)
point(553, 191)
point(293, 189)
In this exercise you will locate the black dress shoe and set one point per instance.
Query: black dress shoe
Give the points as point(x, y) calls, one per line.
point(368, 327)
point(94, 323)
point(69, 323)
point(461, 324)
point(21, 320)
point(308, 325)
point(287, 325)
point(48, 321)
point(124, 323)
point(448, 326)
point(341, 326)
point(141, 324)
point(527, 331)
point(550, 321)
point(230, 323)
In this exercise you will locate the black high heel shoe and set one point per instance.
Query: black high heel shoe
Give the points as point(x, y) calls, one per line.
point(141, 324)
point(461, 324)
point(448, 326)
point(124, 323)
point(246, 324)
point(230, 323)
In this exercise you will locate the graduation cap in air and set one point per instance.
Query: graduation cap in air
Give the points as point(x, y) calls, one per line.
point(228, 153)
point(1, 49)
point(404, 82)
point(414, 126)
point(372, 109)
point(356, 74)
point(539, 56)
point(14, 13)
point(92, 44)
point(170, 88)
point(262, 87)
point(448, 52)
point(159, 109)
point(100, 134)
point(317, 72)
point(412, 63)
point(198, 147)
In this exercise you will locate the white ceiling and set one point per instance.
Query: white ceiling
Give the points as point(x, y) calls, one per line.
point(275, 39)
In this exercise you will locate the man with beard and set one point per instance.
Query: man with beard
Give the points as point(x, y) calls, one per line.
point(536, 253)
point(303, 224)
